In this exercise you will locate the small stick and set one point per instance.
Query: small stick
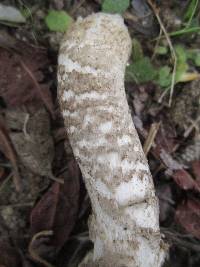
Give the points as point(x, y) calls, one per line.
point(151, 137)
point(156, 12)
point(32, 251)
point(192, 126)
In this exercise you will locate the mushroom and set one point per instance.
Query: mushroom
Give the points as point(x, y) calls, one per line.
point(124, 224)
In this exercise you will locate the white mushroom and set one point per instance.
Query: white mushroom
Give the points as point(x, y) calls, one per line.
point(124, 225)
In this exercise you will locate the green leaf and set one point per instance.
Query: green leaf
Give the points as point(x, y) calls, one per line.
point(180, 71)
point(197, 60)
point(141, 71)
point(26, 12)
point(182, 65)
point(161, 50)
point(164, 76)
point(191, 10)
point(137, 51)
point(185, 31)
point(191, 54)
point(115, 6)
point(58, 20)
point(194, 55)
point(181, 54)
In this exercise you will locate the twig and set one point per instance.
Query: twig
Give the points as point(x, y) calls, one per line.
point(3, 184)
point(129, 16)
point(173, 53)
point(25, 125)
point(151, 136)
point(10, 154)
point(194, 124)
point(173, 237)
point(37, 86)
point(163, 95)
point(58, 180)
point(33, 253)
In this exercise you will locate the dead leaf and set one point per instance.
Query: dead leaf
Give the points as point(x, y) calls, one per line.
point(2, 174)
point(9, 255)
point(57, 210)
point(11, 14)
point(196, 170)
point(185, 180)
point(166, 202)
point(7, 148)
point(6, 40)
point(165, 138)
point(15, 207)
point(32, 139)
point(23, 74)
point(188, 216)
point(169, 162)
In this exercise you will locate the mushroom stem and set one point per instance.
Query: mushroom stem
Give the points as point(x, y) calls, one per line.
point(124, 225)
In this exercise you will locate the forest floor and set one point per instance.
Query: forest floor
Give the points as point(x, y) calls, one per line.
point(44, 206)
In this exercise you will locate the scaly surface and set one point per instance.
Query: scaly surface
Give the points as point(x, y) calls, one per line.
point(124, 225)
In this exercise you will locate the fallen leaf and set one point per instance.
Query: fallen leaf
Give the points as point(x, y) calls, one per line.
point(188, 216)
point(145, 23)
point(196, 170)
point(11, 14)
point(166, 137)
point(32, 139)
point(8, 150)
point(185, 180)
point(9, 255)
point(2, 173)
point(166, 202)
point(57, 210)
point(15, 207)
point(171, 163)
point(23, 74)
point(6, 40)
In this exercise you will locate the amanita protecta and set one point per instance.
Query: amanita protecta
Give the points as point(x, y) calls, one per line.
point(124, 225)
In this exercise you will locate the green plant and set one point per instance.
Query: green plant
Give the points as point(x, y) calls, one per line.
point(142, 70)
point(191, 11)
point(115, 6)
point(58, 20)
point(191, 24)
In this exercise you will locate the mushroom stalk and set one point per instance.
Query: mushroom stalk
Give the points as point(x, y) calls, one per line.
point(124, 225)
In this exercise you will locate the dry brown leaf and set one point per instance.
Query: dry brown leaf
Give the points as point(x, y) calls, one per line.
point(9, 255)
point(7, 148)
point(22, 77)
point(196, 170)
point(188, 216)
point(32, 139)
point(185, 180)
point(57, 210)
